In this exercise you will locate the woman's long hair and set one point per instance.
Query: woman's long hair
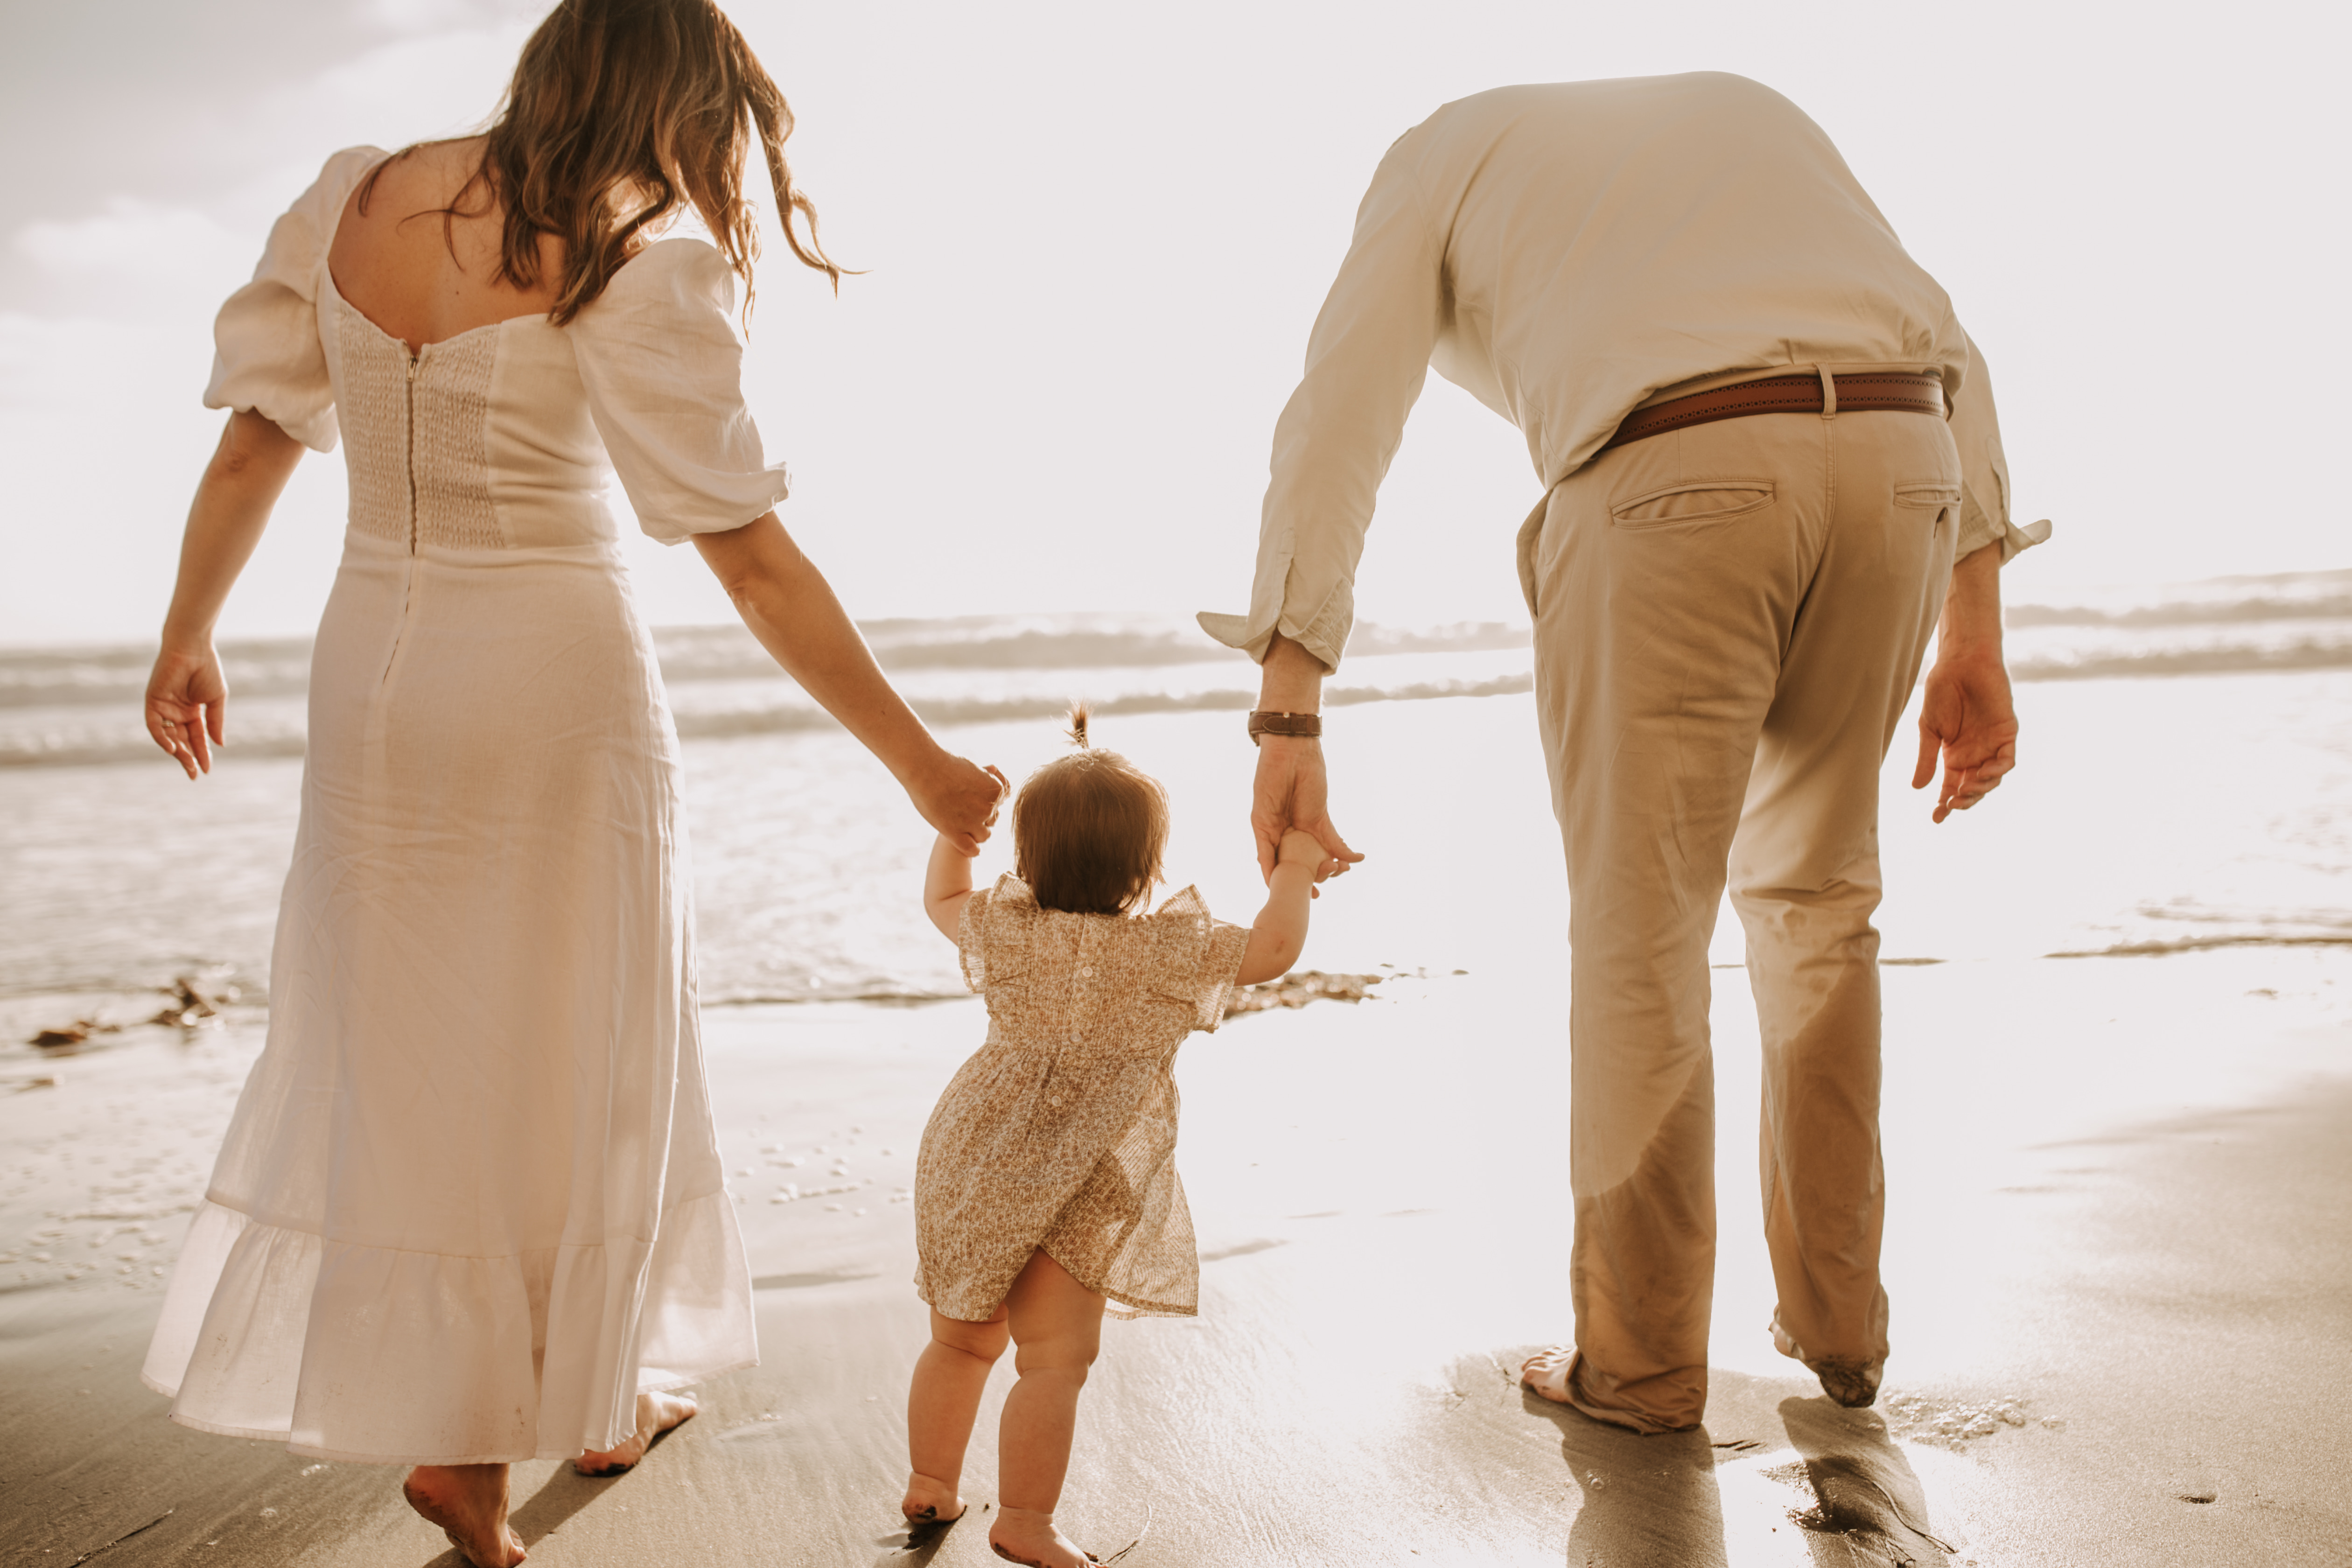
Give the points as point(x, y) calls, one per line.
point(620, 111)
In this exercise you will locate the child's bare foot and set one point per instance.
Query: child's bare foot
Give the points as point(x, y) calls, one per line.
point(930, 1502)
point(1025, 1535)
point(469, 1503)
point(657, 1413)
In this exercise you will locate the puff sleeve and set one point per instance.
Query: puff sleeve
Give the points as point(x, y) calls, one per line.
point(663, 369)
point(1196, 958)
point(972, 939)
point(266, 356)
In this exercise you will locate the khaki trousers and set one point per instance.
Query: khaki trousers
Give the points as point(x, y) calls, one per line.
point(1728, 622)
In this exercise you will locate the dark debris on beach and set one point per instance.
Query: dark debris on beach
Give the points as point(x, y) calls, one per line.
point(72, 1033)
point(1296, 990)
point(195, 1000)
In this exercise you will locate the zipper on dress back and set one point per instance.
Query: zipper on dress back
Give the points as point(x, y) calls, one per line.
point(413, 358)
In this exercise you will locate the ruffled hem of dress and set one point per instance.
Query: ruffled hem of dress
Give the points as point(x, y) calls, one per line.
point(341, 1457)
point(1120, 1304)
point(485, 1360)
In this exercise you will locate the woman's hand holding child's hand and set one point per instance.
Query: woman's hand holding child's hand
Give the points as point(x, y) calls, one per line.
point(959, 798)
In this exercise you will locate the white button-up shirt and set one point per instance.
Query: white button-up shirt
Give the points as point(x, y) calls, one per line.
point(1565, 253)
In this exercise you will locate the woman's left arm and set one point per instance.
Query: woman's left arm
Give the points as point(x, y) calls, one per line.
point(791, 608)
point(186, 697)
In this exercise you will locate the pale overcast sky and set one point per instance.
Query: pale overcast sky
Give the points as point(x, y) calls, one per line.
point(1097, 234)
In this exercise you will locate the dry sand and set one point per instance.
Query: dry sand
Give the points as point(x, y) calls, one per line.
point(2120, 1258)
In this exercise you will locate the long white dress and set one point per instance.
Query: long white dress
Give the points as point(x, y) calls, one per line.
point(471, 1202)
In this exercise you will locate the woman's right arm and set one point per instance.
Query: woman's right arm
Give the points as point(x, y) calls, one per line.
point(186, 697)
point(791, 608)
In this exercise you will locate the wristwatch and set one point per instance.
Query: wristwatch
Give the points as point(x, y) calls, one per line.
point(1305, 726)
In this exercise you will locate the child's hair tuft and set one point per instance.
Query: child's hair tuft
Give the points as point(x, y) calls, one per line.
point(1089, 829)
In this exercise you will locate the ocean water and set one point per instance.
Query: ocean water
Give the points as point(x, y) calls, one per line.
point(2185, 781)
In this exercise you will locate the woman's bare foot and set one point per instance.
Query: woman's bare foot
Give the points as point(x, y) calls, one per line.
point(1025, 1535)
point(657, 1413)
point(469, 1503)
point(1545, 1373)
point(930, 1502)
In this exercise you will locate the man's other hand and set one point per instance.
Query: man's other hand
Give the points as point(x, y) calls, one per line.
point(1966, 714)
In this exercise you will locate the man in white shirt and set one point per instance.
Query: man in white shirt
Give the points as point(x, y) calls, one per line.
point(1765, 442)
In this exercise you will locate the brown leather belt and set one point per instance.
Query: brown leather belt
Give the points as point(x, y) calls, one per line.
point(1903, 391)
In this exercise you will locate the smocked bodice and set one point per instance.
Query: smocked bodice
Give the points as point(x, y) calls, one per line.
point(436, 456)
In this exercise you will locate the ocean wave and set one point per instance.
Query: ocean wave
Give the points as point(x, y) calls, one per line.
point(775, 707)
point(76, 677)
point(2221, 660)
point(2158, 949)
point(79, 706)
point(880, 992)
point(90, 677)
point(85, 748)
point(2218, 601)
point(2156, 626)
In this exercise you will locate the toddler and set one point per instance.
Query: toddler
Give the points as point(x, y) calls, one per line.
point(1046, 1187)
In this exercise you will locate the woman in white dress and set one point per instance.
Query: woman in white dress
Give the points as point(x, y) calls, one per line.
point(470, 1209)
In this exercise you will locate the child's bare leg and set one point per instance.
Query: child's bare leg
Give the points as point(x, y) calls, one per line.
point(940, 1405)
point(1056, 1326)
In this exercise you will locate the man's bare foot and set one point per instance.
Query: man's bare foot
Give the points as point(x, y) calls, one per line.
point(657, 1413)
point(469, 1503)
point(930, 1502)
point(1545, 1373)
point(1024, 1535)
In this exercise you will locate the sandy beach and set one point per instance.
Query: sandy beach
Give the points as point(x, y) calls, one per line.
point(2121, 1318)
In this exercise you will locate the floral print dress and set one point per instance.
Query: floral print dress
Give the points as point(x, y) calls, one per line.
point(1060, 1132)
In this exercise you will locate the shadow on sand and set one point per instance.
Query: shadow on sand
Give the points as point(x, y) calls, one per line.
point(559, 1497)
point(918, 1543)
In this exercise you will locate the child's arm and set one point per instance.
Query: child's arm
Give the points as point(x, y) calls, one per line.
point(1280, 930)
point(947, 883)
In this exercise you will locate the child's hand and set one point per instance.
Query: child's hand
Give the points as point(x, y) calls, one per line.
point(1299, 848)
point(1280, 930)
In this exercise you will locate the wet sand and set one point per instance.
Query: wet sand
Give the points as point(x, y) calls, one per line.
point(2120, 1258)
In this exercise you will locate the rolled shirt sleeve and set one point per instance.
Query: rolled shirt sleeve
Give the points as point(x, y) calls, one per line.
point(663, 369)
point(1366, 361)
point(1984, 469)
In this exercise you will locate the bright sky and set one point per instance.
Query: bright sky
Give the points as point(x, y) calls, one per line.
point(1095, 236)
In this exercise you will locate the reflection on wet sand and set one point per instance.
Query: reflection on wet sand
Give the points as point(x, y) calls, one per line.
point(1864, 1490)
point(1847, 1495)
point(1644, 1498)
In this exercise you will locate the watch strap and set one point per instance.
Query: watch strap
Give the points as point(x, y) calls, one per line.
point(1305, 726)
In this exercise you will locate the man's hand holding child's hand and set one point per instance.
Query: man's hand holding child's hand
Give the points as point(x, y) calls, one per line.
point(1299, 848)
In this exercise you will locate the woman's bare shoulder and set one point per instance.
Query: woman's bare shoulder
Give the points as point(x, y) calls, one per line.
point(424, 178)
